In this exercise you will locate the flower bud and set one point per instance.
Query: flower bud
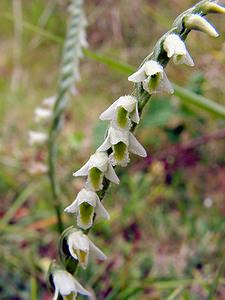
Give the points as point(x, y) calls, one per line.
point(214, 8)
point(197, 22)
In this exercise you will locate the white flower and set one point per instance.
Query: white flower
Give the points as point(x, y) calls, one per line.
point(175, 47)
point(37, 168)
point(153, 78)
point(80, 247)
point(85, 206)
point(49, 102)
point(122, 111)
point(67, 286)
point(96, 168)
point(121, 141)
point(42, 114)
point(35, 137)
point(197, 22)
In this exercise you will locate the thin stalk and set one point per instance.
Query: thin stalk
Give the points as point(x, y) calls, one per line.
point(69, 69)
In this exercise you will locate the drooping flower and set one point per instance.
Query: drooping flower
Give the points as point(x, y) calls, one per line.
point(121, 142)
point(85, 206)
point(96, 168)
point(81, 247)
point(67, 286)
point(122, 111)
point(153, 78)
point(197, 22)
point(174, 46)
point(36, 137)
point(42, 114)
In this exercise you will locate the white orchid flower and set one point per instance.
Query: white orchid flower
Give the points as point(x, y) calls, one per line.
point(153, 78)
point(85, 206)
point(80, 247)
point(36, 137)
point(122, 111)
point(96, 168)
point(121, 142)
point(67, 286)
point(174, 46)
point(50, 101)
point(42, 114)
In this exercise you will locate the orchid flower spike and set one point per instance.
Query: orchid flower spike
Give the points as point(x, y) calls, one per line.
point(67, 286)
point(80, 247)
point(85, 206)
point(153, 78)
point(174, 46)
point(95, 169)
point(35, 137)
point(196, 22)
point(42, 114)
point(122, 112)
point(121, 142)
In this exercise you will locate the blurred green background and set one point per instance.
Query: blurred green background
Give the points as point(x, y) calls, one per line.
point(165, 238)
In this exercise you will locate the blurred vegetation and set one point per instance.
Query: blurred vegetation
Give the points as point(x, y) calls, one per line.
point(165, 239)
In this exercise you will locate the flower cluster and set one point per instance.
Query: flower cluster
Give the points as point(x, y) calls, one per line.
point(119, 142)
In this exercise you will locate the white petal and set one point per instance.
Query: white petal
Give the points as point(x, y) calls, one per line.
point(42, 114)
point(35, 137)
point(106, 144)
point(152, 67)
point(99, 160)
point(82, 171)
point(78, 241)
point(145, 85)
point(135, 115)
point(50, 102)
point(165, 85)
point(83, 196)
point(96, 252)
point(100, 210)
point(127, 102)
point(138, 76)
point(87, 196)
point(173, 45)
point(108, 114)
point(185, 59)
point(118, 135)
point(135, 147)
point(64, 282)
point(80, 289)
point(72, 208)
point(111, 174)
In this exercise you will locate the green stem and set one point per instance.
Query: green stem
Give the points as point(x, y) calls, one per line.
point(70, 59)
point(189, 97)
